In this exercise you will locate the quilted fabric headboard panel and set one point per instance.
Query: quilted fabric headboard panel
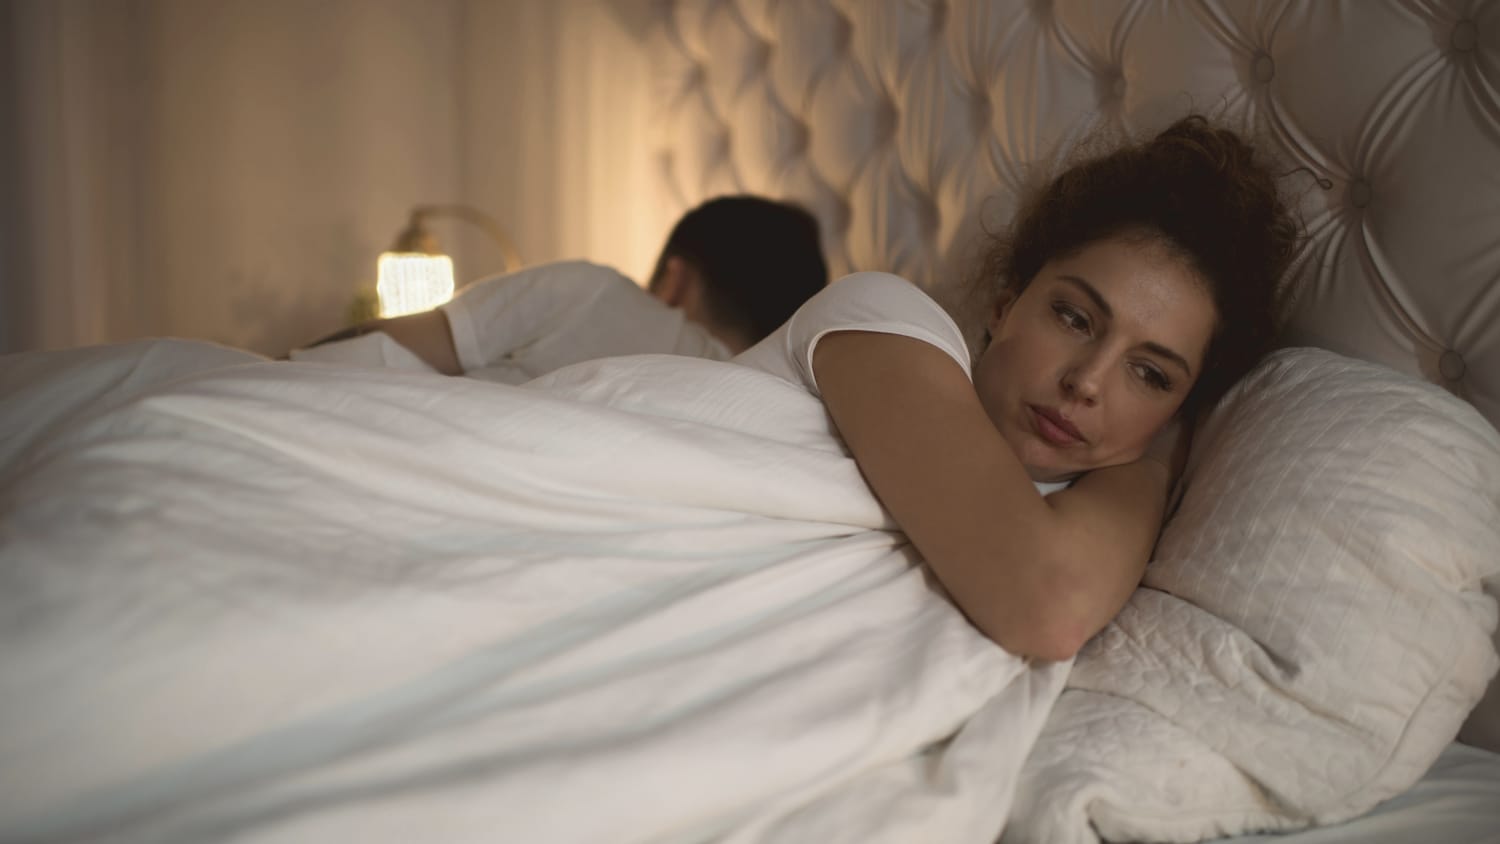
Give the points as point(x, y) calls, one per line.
point(907, 126)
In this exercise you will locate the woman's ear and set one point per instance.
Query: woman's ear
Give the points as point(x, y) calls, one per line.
point(999, 312)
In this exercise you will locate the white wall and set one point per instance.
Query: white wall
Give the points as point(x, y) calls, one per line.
point(557, 112)
point(229, 169)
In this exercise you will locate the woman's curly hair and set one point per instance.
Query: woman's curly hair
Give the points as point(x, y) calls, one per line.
point(1204, 194)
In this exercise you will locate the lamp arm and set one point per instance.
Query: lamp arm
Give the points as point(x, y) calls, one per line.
point(508, 251)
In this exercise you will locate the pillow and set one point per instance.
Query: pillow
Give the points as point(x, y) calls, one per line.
point(1313, 628)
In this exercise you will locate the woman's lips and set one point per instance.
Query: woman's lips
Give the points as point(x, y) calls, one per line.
point(1053, 428)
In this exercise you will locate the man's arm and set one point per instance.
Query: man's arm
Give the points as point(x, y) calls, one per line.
point(426, 335)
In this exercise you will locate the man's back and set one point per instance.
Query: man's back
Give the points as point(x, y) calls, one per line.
point(515, 327)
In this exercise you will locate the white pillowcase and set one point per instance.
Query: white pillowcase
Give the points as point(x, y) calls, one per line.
point(1313, 629)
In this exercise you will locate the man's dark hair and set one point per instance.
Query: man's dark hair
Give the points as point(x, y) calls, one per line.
point(759, 260)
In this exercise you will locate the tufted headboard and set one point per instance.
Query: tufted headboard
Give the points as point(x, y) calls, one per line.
point(908, 126)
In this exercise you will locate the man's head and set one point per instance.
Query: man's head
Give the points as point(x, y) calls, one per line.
point(741, 265)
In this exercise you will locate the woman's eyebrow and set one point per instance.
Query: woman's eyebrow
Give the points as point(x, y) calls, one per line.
point(1089, 290)
point(1163, 351)
point(1151, 346)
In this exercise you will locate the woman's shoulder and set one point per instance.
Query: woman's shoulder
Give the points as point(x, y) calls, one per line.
point(871, 288)
point(884, 303)
point(876, 302)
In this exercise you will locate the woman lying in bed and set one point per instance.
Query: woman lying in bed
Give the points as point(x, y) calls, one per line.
point(1134, 289)
point(644, 599)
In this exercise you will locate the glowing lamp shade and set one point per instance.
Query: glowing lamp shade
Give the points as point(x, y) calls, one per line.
point(410, 282)
point(415, 275)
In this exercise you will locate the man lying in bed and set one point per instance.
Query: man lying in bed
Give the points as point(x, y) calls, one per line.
point(732, 270)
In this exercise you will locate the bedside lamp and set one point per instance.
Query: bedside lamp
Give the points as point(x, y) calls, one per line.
point(415, 275)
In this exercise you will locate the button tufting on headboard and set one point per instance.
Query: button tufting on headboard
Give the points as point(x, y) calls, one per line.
point(1465, 36)
point(1451, 365)
point(908, 127)
point(1263, 68)
point(1359, 193)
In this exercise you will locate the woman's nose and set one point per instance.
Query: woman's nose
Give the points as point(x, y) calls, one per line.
point(1081, 381)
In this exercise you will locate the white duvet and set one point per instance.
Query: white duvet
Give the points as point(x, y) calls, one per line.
point(650, 599)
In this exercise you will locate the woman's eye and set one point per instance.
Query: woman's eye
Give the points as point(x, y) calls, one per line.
point(1154, 378)
point(1071, 317)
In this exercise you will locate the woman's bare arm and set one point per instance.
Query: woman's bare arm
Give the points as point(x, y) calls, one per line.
point(1037, 575)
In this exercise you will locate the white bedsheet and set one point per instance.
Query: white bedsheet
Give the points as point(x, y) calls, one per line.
point(291, 602)
point(1457, 802)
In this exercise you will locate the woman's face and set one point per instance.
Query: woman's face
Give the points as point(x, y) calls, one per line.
point(1095, 356)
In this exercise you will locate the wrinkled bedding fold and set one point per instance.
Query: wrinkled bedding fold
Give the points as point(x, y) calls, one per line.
point(644, 599)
